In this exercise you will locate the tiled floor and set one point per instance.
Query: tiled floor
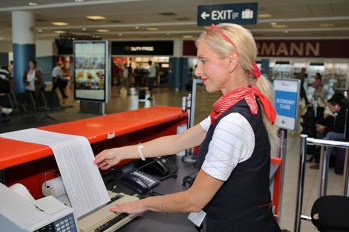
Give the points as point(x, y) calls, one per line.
point(173, 98)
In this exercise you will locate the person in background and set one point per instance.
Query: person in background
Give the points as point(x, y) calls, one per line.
point(57, 81)
point(6, 80)
point(191, 77)
point(32, 79)
point(336, 129)
point(302, 76)
point(130, 74)
point(318, 86)
point(125, 79)
point(232, 185)
point(10, 67)
point(151, 75)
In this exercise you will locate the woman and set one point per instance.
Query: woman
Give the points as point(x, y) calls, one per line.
point(318, 86)
point(232, 185)
point(32, 79)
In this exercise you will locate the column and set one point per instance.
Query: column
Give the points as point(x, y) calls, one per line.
point(23, 41)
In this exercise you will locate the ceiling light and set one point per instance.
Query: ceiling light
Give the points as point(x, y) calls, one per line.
point(40, 30)
point(265, 15)
point(32, 4)
point(84, 29)
point(59, 32)
point(79, 0)
point(120, 34)
point(273, 24)
point(327, 25)
point(187, 36)
point(137, 27)
point(96, 17)
point(60, 23)
point(279, 26)
point(103, 30)
point(152, 29)
point(2, 38)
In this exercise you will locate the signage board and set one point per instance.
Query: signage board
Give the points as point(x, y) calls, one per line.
point(242, 13)
point(91, 70)
point(135, 48)
point(286, 101)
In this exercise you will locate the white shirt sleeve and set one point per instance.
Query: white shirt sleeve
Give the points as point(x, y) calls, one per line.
point(205, 124)
point(232, 142)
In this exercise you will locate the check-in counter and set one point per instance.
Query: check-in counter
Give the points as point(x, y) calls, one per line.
point(32, 164)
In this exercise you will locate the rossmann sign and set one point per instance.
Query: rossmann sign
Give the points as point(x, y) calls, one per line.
point(303, 48)
point(292, 48)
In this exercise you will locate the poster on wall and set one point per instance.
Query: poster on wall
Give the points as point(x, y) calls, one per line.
point(90, 69)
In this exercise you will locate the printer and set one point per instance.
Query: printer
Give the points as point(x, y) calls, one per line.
point(18, 213)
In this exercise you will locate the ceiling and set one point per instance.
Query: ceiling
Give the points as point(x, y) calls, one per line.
point(133, 19)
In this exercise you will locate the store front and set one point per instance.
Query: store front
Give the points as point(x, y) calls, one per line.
point(136, 55)
point(282, 59)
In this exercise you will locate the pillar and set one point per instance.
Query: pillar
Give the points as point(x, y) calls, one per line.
point(23, 42)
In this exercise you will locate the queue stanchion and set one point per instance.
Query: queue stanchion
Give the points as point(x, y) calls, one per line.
point(324, 164)
point(282, 155)
point(300, 187)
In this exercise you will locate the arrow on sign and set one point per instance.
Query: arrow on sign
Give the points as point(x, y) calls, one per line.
point(204, 15)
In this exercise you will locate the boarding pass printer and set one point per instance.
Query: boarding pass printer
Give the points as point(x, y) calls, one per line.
point(19, 212)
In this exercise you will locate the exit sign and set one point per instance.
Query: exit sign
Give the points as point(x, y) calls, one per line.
point(244, 13)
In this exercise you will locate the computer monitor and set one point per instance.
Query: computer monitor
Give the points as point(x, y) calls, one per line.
point(202, 102)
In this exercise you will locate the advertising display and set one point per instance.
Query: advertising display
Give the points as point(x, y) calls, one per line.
point(90, 70)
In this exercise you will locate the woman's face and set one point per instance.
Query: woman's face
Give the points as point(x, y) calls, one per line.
point(31, 64)
point(212, 68)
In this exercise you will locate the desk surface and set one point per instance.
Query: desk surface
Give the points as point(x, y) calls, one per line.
point(153, 221)
point(94, 129)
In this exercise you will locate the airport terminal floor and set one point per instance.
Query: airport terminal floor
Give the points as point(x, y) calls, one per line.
point(167, 97)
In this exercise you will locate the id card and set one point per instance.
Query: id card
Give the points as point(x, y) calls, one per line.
point(197, 217)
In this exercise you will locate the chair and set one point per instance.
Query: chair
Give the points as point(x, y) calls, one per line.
point(330, 214)
point(24, 103)
point(49, 101)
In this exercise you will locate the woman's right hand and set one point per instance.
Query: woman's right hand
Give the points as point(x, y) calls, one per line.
point(108, 158)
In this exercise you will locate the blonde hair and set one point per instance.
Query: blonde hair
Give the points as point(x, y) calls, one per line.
point(246, 48)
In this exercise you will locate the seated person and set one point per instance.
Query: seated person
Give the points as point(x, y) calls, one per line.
point(336, 130)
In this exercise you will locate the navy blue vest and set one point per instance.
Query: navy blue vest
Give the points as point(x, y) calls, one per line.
point(243, 203)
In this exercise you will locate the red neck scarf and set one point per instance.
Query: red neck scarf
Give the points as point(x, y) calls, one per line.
point(247, 93)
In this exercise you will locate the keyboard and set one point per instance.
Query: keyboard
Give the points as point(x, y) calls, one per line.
point(103, 220)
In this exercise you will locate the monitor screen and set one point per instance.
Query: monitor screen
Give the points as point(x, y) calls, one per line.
point(202, 102)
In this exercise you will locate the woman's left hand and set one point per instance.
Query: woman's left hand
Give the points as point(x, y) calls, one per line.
point(132, 207)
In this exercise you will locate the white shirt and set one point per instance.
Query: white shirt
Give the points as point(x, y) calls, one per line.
point(56, 71)
point(152, 71)
point(31, 80)
point(233, 142)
